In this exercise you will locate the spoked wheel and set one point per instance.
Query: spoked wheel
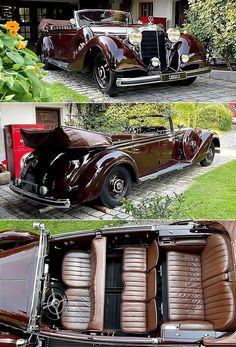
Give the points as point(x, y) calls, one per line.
point(210, 156)
point(43, 58)
point(116, 186)
point(135, 129)
point(55, 304)
point(104, 77)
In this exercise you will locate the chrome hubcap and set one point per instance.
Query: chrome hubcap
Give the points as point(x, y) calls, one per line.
point(117, 185)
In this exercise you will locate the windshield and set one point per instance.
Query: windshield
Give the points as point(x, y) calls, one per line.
point(102, 16)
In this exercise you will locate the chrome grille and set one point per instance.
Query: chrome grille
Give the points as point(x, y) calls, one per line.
point(153, 45)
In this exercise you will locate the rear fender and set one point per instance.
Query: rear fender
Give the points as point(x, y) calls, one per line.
point(90, 183)
point(119, 56)
point(8, 237)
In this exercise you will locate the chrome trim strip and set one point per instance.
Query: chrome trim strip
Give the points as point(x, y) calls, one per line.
point(61, 203)
point(137, 81)
point(176, 167)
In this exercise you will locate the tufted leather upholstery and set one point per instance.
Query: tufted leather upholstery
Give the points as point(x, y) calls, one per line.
point(76, 269)
point(199, 287)
point(135, 286)
point(138, 310)
point(97, 284)
point(185, 286)
point(76, 317)
point(85, 306)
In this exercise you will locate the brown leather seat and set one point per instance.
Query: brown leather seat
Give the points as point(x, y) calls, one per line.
point(77, 314)
point(198, 286)
point(140, 259)
point(138, 310)
point(138, 317)
point(86, 306)
point(76, 269)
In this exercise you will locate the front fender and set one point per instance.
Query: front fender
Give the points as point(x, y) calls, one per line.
point(190, 45)
point(207, 137)
point(90, 183)
point(119, 56)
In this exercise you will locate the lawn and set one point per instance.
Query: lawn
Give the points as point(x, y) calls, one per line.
point(57, 92)
point(213, 195)
point(58, 226)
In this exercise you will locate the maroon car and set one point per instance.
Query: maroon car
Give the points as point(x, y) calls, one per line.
point(70, 165)
point(120, 53)
point(169, 285)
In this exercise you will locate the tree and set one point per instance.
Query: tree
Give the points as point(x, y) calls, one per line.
point(214, 23)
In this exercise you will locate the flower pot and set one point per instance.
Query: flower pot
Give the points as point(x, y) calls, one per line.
point(5, 178)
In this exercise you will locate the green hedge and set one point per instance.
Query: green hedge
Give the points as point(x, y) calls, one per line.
point(112, 118)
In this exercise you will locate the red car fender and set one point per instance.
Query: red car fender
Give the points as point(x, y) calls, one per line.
point(189, 44)
point(91, 181)
point(118, 55)
point(206, 139)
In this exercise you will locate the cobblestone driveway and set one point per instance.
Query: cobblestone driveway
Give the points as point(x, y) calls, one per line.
point(203, 89)
point(15, 207)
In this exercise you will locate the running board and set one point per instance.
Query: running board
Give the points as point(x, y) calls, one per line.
point(58, 63)
point(176, 167)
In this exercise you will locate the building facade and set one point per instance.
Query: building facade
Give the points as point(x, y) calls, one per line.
point(30, 12)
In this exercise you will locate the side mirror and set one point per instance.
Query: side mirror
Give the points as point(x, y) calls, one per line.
point(181, 125)
point(72, 21)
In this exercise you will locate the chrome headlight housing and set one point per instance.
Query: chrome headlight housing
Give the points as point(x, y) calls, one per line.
point(135, 37)
point(173, 34)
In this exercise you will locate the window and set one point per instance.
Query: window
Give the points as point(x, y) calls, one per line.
point(25, 31)
point(145, 9)
point(24, 14)
point(5, 13)
point(41, 13)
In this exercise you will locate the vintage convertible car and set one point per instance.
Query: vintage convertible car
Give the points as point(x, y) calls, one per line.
point(120, 53)
point(169, 285)
point(70, 165)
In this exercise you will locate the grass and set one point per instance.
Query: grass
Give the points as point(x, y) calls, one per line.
point(58, 92)
point(58, 226)
point(213, 195)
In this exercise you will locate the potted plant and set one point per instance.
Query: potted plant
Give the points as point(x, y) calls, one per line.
point(5, 176)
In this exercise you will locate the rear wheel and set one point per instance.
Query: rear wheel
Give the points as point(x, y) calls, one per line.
point(43, 58)
point(210, 156)
point(116, 186)
point(104, 77)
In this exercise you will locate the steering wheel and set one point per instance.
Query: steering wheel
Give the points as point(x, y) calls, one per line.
point(55, 304)
point(135, 129)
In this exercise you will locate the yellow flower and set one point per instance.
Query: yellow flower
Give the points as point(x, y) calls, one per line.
point(12, 26)
point(21, 44)
point(35, 68)
point(13, 32)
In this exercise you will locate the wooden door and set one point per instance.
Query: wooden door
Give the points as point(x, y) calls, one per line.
point(49, 117)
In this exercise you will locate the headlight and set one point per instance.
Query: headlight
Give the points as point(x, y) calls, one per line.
point(184, 58)
point(173, 34)
point(43, 190)
point(135, 37)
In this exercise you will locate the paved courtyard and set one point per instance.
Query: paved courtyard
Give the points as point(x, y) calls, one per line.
point(15, 207)
point(203, 89)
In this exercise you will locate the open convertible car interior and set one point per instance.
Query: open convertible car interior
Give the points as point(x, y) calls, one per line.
point(139, 285)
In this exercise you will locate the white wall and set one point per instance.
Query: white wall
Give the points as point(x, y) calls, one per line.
point(22, 113)
point(161, 8)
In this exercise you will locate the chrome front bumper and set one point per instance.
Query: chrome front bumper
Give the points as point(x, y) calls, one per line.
point(60, 203)
point(160, 78)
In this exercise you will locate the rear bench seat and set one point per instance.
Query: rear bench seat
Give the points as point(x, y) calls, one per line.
point(138, 308)
point(84, 275)
point(201, 295)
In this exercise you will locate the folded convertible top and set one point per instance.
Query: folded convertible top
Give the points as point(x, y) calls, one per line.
point(64, 137)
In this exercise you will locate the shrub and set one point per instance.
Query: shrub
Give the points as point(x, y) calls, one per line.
point(214, 23)
point(157, 207)
point(214, 116)
point(20, 75)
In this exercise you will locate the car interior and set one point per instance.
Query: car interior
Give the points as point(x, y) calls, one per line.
point(144, 284)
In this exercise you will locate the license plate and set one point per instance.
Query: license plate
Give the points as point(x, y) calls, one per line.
point(174, 77)
point(31, 187)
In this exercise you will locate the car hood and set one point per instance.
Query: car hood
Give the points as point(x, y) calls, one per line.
point(17, 275)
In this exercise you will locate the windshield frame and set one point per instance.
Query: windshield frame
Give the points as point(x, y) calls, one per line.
point(78, 19)
point(39, 279)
